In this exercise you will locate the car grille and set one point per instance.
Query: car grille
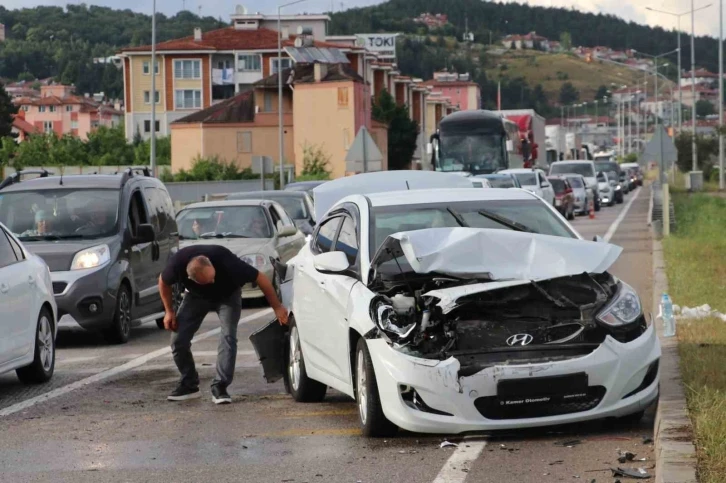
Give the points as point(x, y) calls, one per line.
point(59, 287)
point(492, 408)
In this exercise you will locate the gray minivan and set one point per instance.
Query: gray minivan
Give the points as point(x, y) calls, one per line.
point(105, 238)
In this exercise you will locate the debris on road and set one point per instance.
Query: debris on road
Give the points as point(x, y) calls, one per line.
point(639, 474)
point(568, 444)
point(647, 440)
point(447, 444)
point(558, 462)
point(625, 456)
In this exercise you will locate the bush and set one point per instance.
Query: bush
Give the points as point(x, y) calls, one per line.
point(315, 164)
point(210, 169)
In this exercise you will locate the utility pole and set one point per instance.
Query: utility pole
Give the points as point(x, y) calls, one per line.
point(720, 97)
point(153, 91)
point(694, 148)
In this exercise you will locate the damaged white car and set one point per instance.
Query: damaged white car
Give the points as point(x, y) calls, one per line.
point(454, 310)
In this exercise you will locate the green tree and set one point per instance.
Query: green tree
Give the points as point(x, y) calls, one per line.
point(707, 147)
point(8, 110)
point(705, 108)
point(316, 162)
point(602, 92)
point(568, 94)
point(565, 41)
point(402, 130)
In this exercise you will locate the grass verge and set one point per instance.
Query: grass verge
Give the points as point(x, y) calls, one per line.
point(696, 267)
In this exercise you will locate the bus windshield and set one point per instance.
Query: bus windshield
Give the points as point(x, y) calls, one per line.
point(475, 153)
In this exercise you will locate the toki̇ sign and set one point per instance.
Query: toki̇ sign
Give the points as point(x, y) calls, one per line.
point(382, 44)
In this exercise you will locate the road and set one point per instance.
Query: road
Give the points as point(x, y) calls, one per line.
point(104, 417)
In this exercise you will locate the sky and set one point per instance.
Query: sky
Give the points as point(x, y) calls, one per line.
point(706, 20)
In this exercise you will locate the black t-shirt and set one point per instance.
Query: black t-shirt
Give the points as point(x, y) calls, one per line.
point(231, 272)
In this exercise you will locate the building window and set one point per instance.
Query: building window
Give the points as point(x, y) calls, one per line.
point(268, 103)
point(286, 63)
point(187, 69)
point(224, 64)
point(147, 97)
point(41, 108)
point(249, 63)
point(69, 108)
point(147, 67)
point(188, 99)
point(147, 126)
point(342, 97)
point(51, 108)
point(48, 126)
point(25, 108)
point(74, 124)
point(244, 142)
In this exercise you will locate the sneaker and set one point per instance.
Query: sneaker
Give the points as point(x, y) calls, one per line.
point(182, 393)
point(220, 395)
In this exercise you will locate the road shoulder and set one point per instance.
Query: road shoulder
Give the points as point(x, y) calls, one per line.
point(675, 452)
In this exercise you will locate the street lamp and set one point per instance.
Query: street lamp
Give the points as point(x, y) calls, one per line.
point(152, 150)
point(678, 17)
point(281, 152)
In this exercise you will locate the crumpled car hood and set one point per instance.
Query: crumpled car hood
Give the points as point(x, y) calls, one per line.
point(496, 254)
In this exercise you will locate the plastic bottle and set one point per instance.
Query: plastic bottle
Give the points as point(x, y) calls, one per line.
point(669, 322)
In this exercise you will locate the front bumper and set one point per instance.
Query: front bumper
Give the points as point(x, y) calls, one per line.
point(77, 291)
point(619, 369)
point(252, 290)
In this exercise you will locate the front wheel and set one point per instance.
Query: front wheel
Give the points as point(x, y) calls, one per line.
point(43, 365)
point(370, 409)
point(120, 328)
point(300, 386)
point(571, 215)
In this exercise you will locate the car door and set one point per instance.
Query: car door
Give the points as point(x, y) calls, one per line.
point(143, 257)
point(548, 192)
point(287, 246)
point(162, 247)
point(16, 296)
point(312, 313)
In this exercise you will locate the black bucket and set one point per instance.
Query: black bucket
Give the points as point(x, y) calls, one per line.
point(270, 345)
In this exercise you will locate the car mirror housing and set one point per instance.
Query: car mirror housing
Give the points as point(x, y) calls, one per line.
point(145, 234)
point(331, 262)
point(287, 230)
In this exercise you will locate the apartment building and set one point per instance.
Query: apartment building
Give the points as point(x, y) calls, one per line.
point(459, 88)
point(196, 72)
point(59, 110)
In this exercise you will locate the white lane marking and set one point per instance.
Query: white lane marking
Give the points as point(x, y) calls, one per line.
point(614, 227)
point(73, 360)
point(454, 469)
point(132, 364)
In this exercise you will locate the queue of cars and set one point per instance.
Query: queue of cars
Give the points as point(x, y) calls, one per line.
point(392, 299)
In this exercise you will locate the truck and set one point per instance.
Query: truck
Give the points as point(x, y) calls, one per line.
point(555, 143)
point(532, 130)
point(473, 141)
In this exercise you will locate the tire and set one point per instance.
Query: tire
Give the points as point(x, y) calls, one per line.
point(598, 205)
point(373, 422)
point(300, 386)
point(120, 328)
point(571, 216)
point(43, 365)
point(160, 323)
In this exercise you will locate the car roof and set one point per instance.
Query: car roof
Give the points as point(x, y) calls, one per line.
point(520, 170)
point(96, 181)
point(305, 183)
point(424, 196)
point(262, 195)
point(225, 203)
point(494, 175)
point(574, 161)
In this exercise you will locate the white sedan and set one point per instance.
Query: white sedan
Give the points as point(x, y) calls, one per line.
point(454, 310)
point(534, 180)
point(28, 312)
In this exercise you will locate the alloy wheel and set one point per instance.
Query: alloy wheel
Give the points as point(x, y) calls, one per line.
point(294, 363)
point(46, 343)
point(361, 387)
point(124, 313)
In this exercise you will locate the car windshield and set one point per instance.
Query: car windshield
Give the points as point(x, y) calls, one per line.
point(583, 169)
point(529, 215)
point(223, 222)
point(576, 182)
point(57, 214)
point(501, 182)
point(607, 166)
point(294, 206)
point(472, 153)
point(526, 179)
point(558, 185)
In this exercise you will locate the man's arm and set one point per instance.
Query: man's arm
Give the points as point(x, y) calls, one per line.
point(166, 295)
point(266, 286)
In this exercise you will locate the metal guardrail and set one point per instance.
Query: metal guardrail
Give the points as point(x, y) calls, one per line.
point(656, 214)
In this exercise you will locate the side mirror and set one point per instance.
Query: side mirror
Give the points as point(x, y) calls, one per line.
point(598, 239)
point(510, 145)
point(331, 262)
point(544, 184)
point(286, 230)
point(145, 234)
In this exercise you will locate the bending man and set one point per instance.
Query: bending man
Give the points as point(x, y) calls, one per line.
point(213, 277)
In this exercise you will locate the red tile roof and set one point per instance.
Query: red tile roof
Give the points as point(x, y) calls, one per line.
point(238, 109)
point(24, 126)
point(229, 38)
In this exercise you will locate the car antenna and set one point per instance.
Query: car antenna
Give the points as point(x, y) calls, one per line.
point(408, 188)
point(61, 177)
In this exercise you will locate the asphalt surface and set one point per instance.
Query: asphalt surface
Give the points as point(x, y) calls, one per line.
point(117, 426)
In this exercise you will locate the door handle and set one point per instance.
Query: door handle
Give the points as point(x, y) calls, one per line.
point(31, 280)
point(4, 288)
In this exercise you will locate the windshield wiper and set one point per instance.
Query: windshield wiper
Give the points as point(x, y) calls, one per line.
point(221, 235)
point(40, 238)
point(459, 219)
point(511, 224)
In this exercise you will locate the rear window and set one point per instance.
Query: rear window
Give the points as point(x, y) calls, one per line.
point(558, 185)
point(526, 179)
point(583, 169)
point(501, 182)
point(576, 182)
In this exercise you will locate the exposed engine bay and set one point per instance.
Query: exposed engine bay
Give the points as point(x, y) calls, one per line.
point(483, 323)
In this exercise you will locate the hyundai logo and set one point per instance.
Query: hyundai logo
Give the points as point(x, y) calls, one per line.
point(520, 339)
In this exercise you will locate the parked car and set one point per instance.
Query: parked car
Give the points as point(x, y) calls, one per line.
point(632, 178)
point(581, 192)
point(606, 189)
point(499, 180)
point(106, 239)
point(259, 231)
point(307, 186)
point(415, 303)
point(586, 169)
point(534, 180)
point(297, 204)
point(29, 312)
point(480, 182)
point(564, 196)
point(639, 176)
point(614, 172)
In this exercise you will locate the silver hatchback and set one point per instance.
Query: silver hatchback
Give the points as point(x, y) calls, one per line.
point(581, 193)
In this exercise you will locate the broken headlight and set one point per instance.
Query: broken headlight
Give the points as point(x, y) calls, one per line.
point(623, 309)
point(397, 326)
